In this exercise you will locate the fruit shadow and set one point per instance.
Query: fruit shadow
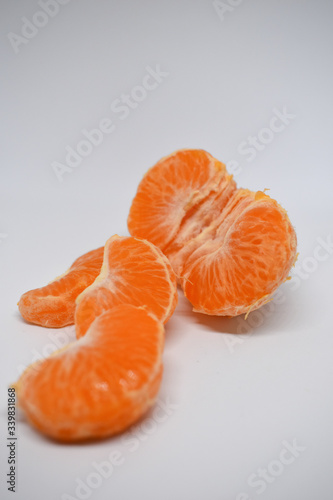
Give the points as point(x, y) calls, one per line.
point(269, 319)
point(218, 324)
point(266, 318)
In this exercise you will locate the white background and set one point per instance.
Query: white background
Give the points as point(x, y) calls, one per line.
point(236, 400)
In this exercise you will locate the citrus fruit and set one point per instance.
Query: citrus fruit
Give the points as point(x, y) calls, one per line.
point(178, 197)
point(230, 248)
point(102, 383)
point(54, 304)
point(238, 262)
point(134, 272)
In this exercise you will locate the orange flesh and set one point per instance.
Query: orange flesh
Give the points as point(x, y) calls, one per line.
point(188, 177)
point(53, 305)
point(133, 272)
point(249, 255)
point(230, 248)
point(100, 384)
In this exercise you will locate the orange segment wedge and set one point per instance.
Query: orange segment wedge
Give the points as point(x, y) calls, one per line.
point(100, 384)
point(54, 304)
point(134, 272)
point(237, 264)
point(179, 196)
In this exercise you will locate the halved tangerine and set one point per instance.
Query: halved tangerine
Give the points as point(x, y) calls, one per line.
point(230, 248)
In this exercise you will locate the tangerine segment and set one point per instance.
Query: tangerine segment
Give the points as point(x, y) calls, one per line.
point(100, 384)
point(170, 204)
point(134, 272)
point(239, 200)
point(238, 262)
point(54, 304)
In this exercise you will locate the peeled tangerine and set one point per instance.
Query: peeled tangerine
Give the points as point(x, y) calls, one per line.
point(230, 248)
point(100, 384)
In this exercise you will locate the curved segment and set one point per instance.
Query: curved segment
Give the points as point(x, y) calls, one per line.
point(134, 272)
point(53, 305)
point(169, 191)
point(238, 269)
point(100, 384)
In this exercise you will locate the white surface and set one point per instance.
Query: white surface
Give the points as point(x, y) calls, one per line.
point(238, 398)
